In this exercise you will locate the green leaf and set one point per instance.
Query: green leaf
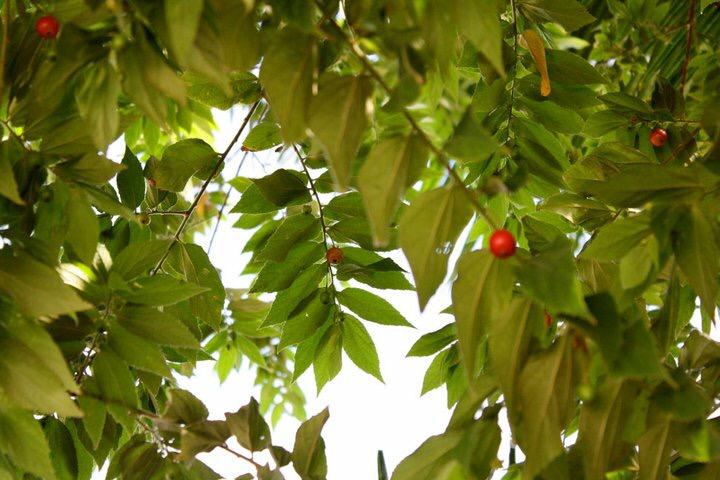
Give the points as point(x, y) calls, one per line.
point(337, 116)
point(156, 326)
point(617, 239)
point(307, 321)
point(23, 441)
point(546, 397)
point(305, 353)
point(359, 346)
point(182, 19)
point(278, 276)
point(328, 356)
point(182, 160)
point(94, 417)
point(554, 117)
point(83, 227)
point(480, 23)
point(253, 201)
point(371, 307)
point(263, 136)
point(568, 13)
point(249, 427)
point(309, 452)
point(509, 341)
point(283, 187)
point(288, 299)
point(601, 429)
point(391, 167)
point(113, 378)
point(161, 290)
point(91, 168)
point(439, 370)
point(286, 75)
point(604, 122)
point(471, 142)
point(33, 372)
point(8, 183)
point(131, 182)
point(624, 103)
point(480, 293)
point(36, 288)
point(292, 230)
point(203, 437)
point(424, 463)
point(198, 270)
point(62, 451)
point(96, 98)
point(139, 258)
point(550, 277)
point(697, 253)
point(428, 231)
point(566, 67)
point(137, 351)
point(654, 451)
point(433, 342)
point(184, 407)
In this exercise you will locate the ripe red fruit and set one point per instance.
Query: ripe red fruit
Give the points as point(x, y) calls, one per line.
point(47, 27)
point(502, 244)
point(658, 137)
point(334, 255)
point(548, 320)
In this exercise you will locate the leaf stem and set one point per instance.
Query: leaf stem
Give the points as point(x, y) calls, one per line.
point(203, 188)
point(515, 68)
point(439, 153)
point(240, 455)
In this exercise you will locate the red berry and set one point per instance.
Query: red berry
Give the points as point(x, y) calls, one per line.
point(502, 244)
point(548, 320)
point(334, 255)
point(658, 137)
point(47, 27)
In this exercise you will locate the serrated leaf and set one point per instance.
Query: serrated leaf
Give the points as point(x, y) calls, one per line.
point(137, 351)
point(309, 452)
point(617, 239)
point(328, 356)
point(31, 453)
point(428, 231)
point(139, 258)
point(161, 290)
point(278, 276)
point(249, 427)
point(182, 160)
point(96, 98)
point(292, 230)
point(198, 270)
point(480, 23)
point(371, 307)
point(91, 168)
point(286, 75)
point(184, 407)
point(113, 378)
point(156, 326)
point(567, 67)
point(282, 188)
point(307, 321)
point(263, 136)
point(131, 182)
point(390, 168)
point(83, 227)
point(337, 116)
point(480, 293)
point(288, 299)
point(360, 347)
point(424, 462)
point(433, 342)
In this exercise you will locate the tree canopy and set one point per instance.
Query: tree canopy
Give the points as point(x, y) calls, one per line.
point(567, 151)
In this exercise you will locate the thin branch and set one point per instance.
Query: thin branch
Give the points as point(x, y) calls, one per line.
point(688, 44)
point(203, 188)
point(439, 153)
point(321, 213)
point(224, 204)
point(240, 455)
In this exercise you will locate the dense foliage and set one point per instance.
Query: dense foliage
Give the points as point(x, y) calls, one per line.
point(580, 135)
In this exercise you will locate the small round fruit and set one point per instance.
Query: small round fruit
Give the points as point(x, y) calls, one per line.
point(658, 137)
point(334, 256)
point(144, 219)
point(47, 27)
point(548, 320)
point(502, 244)
point(585, 392)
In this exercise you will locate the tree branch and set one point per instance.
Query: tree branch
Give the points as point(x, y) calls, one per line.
point(5, 41)
point(203, 188)
point(439, 153)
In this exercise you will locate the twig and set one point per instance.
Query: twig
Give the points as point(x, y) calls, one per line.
point(224, 204)
point(203, 188)
point(688, 44)
point(240, 455)
point(439, 153)
point(320, 210)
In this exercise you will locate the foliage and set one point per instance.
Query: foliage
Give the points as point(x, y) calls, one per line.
point(420, 125)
